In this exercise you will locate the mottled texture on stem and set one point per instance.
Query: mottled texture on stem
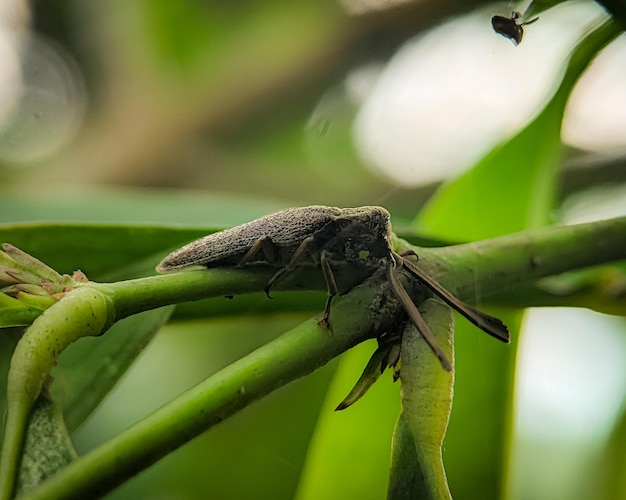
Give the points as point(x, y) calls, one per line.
point(485, 267)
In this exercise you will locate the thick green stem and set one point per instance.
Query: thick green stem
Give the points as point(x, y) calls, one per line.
point(417, 469)
point(82, 312)
point(471, 270)
point(293, 355)
point(485, 267)
point(142, 294)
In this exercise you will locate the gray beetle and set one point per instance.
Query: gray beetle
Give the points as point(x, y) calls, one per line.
point(325, 237)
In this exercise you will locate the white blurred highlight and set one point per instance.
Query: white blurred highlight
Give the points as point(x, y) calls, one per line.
point(572, 374)
point(10, 75)
point(42, 98)
point(448, 97)
point(595, 118)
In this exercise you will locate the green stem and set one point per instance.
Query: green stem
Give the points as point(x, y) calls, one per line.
point(82, 312)
point(473, 270)
point(142, 294)
point(603, 293)
point(293, 355)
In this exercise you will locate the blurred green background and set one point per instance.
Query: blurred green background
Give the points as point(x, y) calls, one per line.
point(209, 114)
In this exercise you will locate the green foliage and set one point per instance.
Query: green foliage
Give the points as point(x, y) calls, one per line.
point(482, 204)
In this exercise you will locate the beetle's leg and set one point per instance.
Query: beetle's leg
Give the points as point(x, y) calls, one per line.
point(297, 255)
point(333, 290)
point(265, 245)
point(489, 324)
point(329, 277)
point(409, 253)
point(415, 315)
point(293, 262)
point(531, 21)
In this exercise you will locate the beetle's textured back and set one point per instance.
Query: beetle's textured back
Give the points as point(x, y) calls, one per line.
point(286, 229)
point(349, 246)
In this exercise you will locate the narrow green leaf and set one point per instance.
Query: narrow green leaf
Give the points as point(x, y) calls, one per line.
point(406, 479)
point(513, 187)
point(372, 372)
point(611, 473)
point(14, 312)
point(27, 262)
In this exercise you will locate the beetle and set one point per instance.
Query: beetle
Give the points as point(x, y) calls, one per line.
point(510, 28)
point(326, 237)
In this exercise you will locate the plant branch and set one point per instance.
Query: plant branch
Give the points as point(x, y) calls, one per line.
point(142, 294)
point(293, 355)
point(474, 270)
point(606, 295)
point(470, 270)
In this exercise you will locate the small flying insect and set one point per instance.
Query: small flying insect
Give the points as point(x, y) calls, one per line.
point(328, 238)
point(510, 27)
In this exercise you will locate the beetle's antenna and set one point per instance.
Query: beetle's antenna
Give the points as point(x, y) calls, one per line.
point(526, 23)
point(415, 315)
point(488, 324)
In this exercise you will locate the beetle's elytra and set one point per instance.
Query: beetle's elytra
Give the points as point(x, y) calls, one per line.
point(325, 237)
point(275, 239)
point(510, 27)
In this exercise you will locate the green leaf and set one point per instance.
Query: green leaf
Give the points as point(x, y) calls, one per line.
point(350, 449)
point(119, 205)
point(612, 470)
point(8, 340)
point(14, 312)
point(102, 252)
point(116, 234)
point(416, 465)
point(475, 454)
point(87, 370)
point(512, 188)
point(47, 448)
point(386, 356)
